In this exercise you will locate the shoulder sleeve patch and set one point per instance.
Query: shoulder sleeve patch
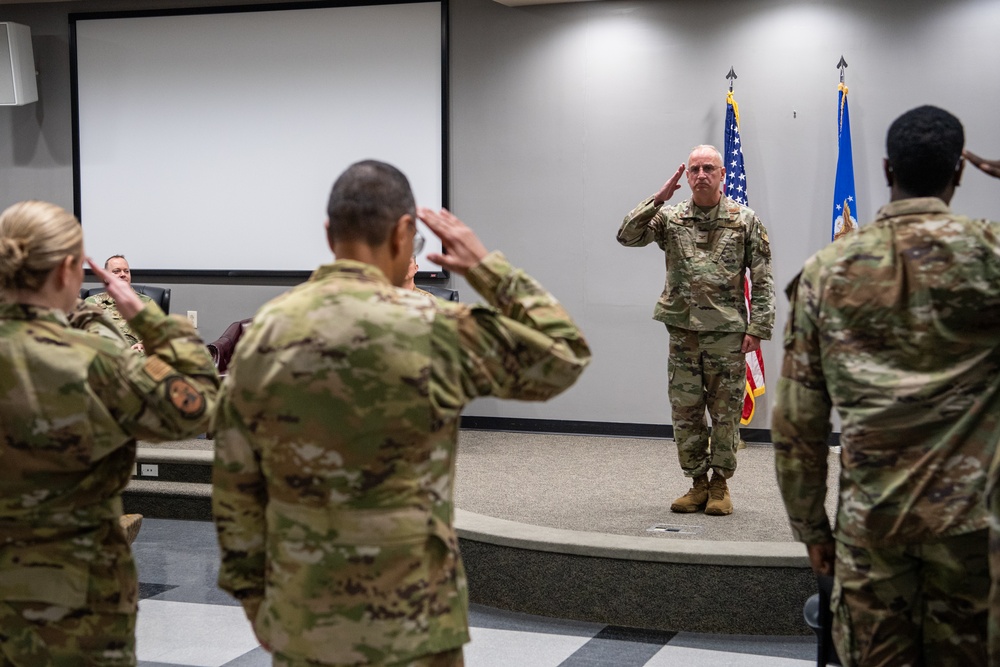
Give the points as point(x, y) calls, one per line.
point(156, 368)
point(183, 396)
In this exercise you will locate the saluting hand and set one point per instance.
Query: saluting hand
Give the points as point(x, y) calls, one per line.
point(670, 187)
point(465, 250)
point(126, 300)
point(991, 167)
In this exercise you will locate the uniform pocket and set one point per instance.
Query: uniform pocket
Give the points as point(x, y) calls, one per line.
point(680, 236)
point(729, 249)
point(63, 586)
point(346, 585)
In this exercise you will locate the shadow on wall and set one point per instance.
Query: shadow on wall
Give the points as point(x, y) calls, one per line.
point(31, 146)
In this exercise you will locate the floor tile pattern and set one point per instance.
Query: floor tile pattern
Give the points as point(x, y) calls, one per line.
point(184, 619)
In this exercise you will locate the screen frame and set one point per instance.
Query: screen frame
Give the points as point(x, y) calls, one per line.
point(75, 18)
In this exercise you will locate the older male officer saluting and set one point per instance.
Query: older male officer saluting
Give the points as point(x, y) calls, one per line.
point(709, 242)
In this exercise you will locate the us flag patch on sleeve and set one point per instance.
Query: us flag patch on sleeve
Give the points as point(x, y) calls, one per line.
point(157, 368)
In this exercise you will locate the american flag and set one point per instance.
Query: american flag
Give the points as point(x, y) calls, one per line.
point(736, 189)
point(736, 177)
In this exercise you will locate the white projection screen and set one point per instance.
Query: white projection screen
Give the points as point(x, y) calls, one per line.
point(207, 142)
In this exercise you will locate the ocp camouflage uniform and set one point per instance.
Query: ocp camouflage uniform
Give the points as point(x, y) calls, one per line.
point(95, 319)
point(703, 305)
point(898, 327)
point(105, 301)
point(335, 454)
point(71, 406)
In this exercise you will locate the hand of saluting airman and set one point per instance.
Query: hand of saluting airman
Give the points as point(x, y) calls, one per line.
point(670, 187)
point(991, 167)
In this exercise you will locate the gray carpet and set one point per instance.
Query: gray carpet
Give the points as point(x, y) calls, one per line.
point(620, 486)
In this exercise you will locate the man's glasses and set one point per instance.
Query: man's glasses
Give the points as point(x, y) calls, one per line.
point(418, 238)
point(707, 168)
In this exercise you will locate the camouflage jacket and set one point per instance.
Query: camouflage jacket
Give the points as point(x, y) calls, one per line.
point(105, 301)
point(95, 319)
point(71, 405)
point(707, 257)
point(335, 453)
point(897, 327)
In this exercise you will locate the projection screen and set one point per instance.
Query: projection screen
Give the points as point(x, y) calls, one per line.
point(207, 142)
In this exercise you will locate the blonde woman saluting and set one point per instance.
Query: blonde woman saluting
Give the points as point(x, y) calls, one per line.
point(71, 406)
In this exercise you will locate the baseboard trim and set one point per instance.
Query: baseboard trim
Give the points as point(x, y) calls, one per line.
point(567, 426)
point(615, 429)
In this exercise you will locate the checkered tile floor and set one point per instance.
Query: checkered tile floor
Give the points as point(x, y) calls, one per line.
point(184, 619)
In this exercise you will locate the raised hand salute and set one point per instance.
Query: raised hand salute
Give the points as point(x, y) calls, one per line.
point(670, 187)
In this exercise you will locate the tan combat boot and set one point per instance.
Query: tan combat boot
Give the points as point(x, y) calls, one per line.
point(693, 500)
point(131, 523)
point(719, 502)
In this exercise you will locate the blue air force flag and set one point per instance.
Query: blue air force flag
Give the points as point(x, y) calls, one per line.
point(845, 205)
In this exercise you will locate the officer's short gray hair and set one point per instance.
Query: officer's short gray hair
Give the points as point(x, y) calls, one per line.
point(707, 147)
point(108, 260)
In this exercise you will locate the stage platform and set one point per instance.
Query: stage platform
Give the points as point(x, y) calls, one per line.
point(580, 527)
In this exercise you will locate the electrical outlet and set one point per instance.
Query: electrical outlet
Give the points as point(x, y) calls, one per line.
point(193, 318)
point(149, 470)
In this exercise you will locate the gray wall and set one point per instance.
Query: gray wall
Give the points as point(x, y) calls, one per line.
point(563, 117)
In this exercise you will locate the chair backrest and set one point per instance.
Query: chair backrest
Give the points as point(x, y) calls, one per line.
point(161, 295)
point(441, 292)
point(818, 616)
point(224, 346)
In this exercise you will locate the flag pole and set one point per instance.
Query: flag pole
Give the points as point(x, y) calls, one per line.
point(730, 100)
point(842, 66)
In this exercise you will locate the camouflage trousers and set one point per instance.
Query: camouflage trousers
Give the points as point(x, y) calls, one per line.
point(994, 623)
point(706, 369)
point(919, 604)
point(38, 634)
point(453, 658)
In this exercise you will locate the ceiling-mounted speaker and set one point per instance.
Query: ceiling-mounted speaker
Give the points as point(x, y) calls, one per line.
point(17, 66)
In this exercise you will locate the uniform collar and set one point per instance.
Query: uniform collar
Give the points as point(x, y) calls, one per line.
point(917, 205)
point(350, 268)
point(104, 297)
point(724, 210)
point(28, 313)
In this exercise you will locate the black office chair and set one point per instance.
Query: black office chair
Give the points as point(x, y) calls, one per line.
point(441, 292)
point(161, 295)
point(818, 617)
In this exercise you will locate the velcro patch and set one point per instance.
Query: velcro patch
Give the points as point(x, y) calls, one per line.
point(157, 368)
point(183, 396)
